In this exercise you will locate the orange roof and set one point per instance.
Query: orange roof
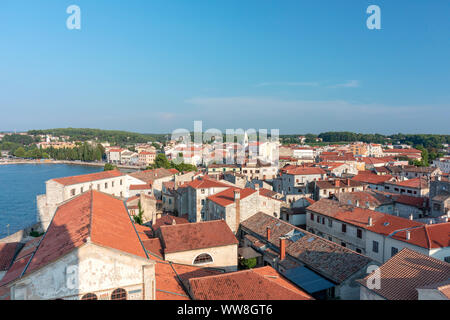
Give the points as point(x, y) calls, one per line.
point(168, 220)
point(407, 271)
point(7, 253)
point(427, 236)
point(226, 197)
point(191, 236)
point(205, 183)
point(146, 186)
point(95, 215)
point(413, 183)
point(254, 284)
point(67, 181)
point(382, 223)
point(170, 278)
point(300, 170)
point(372, 178)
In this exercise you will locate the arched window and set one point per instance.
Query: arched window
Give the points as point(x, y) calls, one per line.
point(119, 294)
point(203, 258)
point(89, 296)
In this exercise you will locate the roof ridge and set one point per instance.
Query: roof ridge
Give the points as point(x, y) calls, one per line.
point(91, 210)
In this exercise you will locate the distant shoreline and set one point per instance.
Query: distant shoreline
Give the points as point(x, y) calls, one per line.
point(79, 163)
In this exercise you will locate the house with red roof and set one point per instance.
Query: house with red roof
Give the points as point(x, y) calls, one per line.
point(90, 251)
point(206, 244)
point(59, 190)
point(294, 181)
point(263, 283)
point(377, 235)
point(416, 187)
point(197, 191)
point(235, 205)
point(408, 275)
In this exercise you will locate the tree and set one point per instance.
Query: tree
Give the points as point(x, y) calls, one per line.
point(20, 152)
point(109, 166)
point(161, 162)
point(139, 217)
point(248, 263)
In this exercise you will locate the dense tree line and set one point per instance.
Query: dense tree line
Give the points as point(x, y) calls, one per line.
point(83, 152)
point(162, 162)
point(115, 137)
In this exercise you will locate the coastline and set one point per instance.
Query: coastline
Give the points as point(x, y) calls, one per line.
point(79, 163)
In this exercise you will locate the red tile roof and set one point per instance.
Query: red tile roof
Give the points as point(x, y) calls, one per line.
point(7, 254)
point(418, 202)
point(95, 215)
point(372, 178)
point(141, 186)
point(167, 220)
point(67, 181)
point(205, 183)
point(413, 183)
point(191, 236)
point(253, 284)
point(382, 223)
point(226, 197)
point(408, 270)
point(172, 278)
point(427, 236)
point(300, 170)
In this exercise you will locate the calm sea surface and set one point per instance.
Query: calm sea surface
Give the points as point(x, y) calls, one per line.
point(19, 186)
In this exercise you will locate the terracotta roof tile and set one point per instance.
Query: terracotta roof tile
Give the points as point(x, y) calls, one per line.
point(408, 270)
point(254, 284)
point(191, 236)
point(7, 254)
point(226, 197)
point(67, 181)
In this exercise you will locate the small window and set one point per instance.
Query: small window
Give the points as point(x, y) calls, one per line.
point(81, 190)
point(394, 251)
point(318, 219)
point(203, 258)
point(344, 227)
point(112, 184)
point(98, 186)
point(312, 217)
point(119, 294)
point(106, 185)
point(375, 246)
point(359, 233)
point(120, 181)
point(89, 296)
point(343, 244)
point(358, 250)
point(72, 192)
point(203, 191)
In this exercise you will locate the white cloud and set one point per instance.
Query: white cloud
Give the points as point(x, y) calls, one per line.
point(288, 84)
point(348, 84)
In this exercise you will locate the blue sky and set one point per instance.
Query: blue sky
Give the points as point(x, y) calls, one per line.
point(297, 66)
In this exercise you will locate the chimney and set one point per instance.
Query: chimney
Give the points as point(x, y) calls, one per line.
point(370, 221)
point(408, 235)
point(237, 199)
point(411, 217)
point(357, 202)
point(268, 231)
point(337, 183)
point(256, 187)
point(282, 248)
point(174, 222)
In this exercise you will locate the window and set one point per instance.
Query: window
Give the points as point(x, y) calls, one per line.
point(119, 294)
point(203, 202)
point(375, 246)
point(72, 192)
point(330, 223)
point(89, 296)
point(120, 181)
point(98, 186)
point(343, 244)
point(318, 219)
point(359, 233)
point(447, 259)
point(312, 217)
point(358, 250)
point(81, 190)
point(344, 228)
point(203, 191)
point(394, 251)
point(323, 220)
point(112, 184)
point(106, 185)
point(203, 258)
